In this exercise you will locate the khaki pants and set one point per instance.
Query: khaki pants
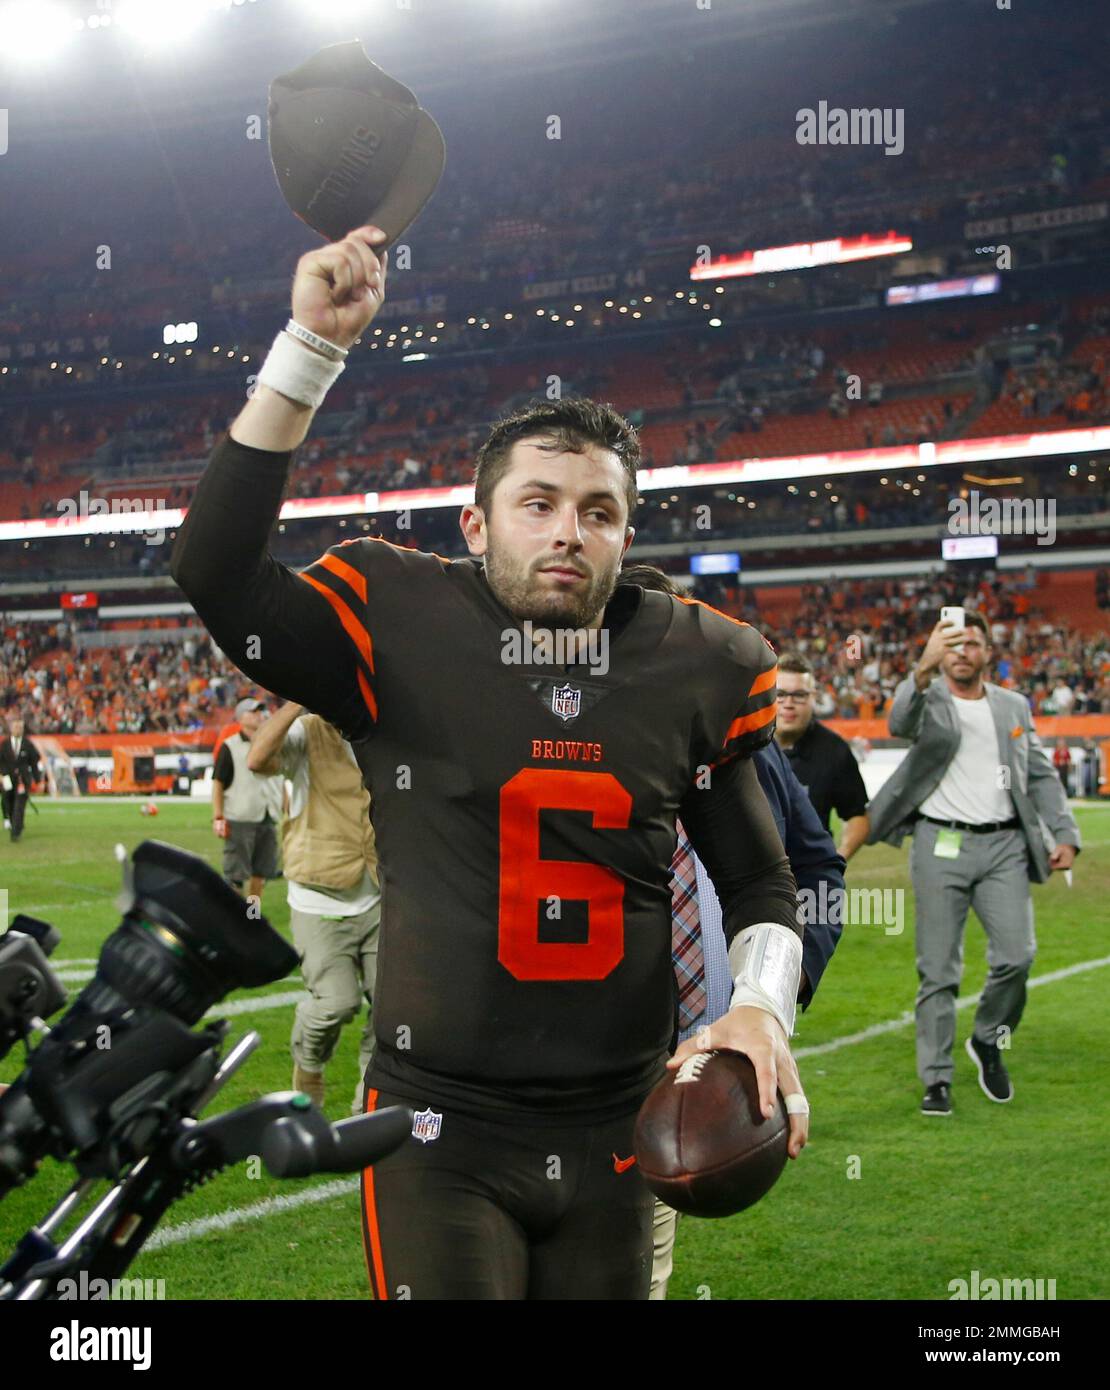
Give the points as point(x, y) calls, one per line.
point(663, 1233)
point(339, 962)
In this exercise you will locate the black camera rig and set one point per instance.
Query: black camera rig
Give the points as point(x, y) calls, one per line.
point(116, 1086)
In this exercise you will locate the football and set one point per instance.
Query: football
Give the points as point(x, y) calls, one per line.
point(702, 1143)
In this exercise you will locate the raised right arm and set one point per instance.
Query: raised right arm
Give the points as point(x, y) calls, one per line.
point(280, 630)
point(277, 629)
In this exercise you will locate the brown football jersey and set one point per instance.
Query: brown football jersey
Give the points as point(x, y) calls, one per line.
point(524, 810)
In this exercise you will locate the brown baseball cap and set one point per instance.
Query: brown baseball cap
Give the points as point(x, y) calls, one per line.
point(350, 145)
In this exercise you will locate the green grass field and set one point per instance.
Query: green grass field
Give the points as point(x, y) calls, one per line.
point(1015, 1191)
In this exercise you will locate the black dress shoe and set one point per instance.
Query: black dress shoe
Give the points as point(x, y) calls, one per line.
point(937, 1099)
point(994, 1079)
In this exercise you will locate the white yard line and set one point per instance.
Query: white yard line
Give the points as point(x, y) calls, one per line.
point(236, 1216)
point(257, 1003)
point(63, 907)
point(893, 1024)
point(254, 1004)
point(274, 1206)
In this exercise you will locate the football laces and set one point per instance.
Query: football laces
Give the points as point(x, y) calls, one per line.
point(691, 1069)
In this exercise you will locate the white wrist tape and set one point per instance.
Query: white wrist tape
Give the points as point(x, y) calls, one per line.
point(766, 962)
point(298, 372)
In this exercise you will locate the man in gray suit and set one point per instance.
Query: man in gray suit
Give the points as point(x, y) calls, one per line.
point(973, 790)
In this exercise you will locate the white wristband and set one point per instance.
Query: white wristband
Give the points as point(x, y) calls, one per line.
point(298, 372)
point(766, 961)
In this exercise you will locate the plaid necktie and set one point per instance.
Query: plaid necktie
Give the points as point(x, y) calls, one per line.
point(686, 948)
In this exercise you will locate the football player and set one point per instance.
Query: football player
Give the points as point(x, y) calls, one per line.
point(528, 735)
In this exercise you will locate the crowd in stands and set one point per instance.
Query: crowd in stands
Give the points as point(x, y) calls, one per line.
point(384, 434)
point(861, 635)
point(145, 688)
point(1011, 123)
point(1019, 129)
point(836, 510)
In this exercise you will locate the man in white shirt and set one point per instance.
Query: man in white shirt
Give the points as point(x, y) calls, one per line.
point(334, 898)
point(974, 788)
point(246, 808)
point(1063, 698)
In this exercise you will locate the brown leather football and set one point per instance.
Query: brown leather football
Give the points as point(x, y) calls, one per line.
point(702, 1143)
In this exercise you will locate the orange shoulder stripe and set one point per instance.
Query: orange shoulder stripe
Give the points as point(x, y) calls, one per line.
point(351, 625)
point(697, 603)
point(764, 681)
point(748, 723)
point(367, 694)
point(346, 572)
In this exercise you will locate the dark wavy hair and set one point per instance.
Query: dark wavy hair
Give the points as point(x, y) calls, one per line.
point(564, 426)
point(648, 577)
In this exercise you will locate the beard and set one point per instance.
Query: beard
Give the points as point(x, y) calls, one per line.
point(520, 589)
point(966, 675)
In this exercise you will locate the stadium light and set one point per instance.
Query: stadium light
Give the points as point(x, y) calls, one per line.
point(32, 31)
point(159, 23)
point(329, 10)
point(179, 333)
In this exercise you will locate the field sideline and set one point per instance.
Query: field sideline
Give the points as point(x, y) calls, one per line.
point(1011, 1191)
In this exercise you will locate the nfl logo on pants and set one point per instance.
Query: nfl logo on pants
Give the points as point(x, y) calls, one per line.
point(426, 1125)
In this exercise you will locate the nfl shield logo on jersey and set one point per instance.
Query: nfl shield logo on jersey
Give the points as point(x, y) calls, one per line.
point(566, 702)
point(426, 1125)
